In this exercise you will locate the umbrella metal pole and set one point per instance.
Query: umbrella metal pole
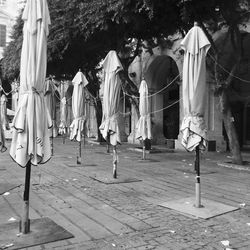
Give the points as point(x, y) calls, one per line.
point(197, 184)
point(114, 162)
point(52, 145)
point(64, 135)
point(24, 225)
point(79, 157)
point(84, 135)
point(108, 139)
point(143, 150)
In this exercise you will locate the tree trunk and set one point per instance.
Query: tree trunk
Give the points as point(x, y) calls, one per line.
point(230, 129)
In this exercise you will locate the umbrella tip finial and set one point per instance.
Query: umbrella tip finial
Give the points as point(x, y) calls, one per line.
point(196, 23)
point(80, 70)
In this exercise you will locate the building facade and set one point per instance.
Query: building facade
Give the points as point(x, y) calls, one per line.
point(167, 107)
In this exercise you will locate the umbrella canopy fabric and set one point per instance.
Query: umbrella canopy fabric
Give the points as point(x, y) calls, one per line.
point(143, 126)
point(2, 136)
point(78, 106)
point(4, 118)
point(111, 98)
point(50, 89)
point(62, 128)
point(30, 139)
point(15, 94)
point(195, 45)
point(62, 89)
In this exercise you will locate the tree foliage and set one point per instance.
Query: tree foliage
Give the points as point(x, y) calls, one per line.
point(82, 32)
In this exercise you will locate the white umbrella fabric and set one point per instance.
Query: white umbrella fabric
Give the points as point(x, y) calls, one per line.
point(111, 98)
point(63, 126)
point(4, 118)
point(193, 128)
point(78, 109)
point(30, 141)
point(2, 135)
point(50, 89)
point(15, 94)
point(143, 126)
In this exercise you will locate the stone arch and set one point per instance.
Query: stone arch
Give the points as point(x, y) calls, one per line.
point(158, 71)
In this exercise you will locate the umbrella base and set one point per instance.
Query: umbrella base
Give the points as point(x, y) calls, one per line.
point(209, 208)
point(43, 230)
point(106, 178)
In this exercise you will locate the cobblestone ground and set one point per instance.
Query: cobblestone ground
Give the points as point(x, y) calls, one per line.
point(128, 215)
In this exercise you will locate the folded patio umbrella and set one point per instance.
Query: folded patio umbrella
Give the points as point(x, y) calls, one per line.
point(63, 126)
point(193, 128)
point(78, 107)
point(15, 94)
point(143, 126)
point(195, 45)
point(30, 142)
point(109, 127)
point(4, 118)
point(111, 98)
point(50, 89)
point(2, 135)
point(144, 123)
point(77, 126)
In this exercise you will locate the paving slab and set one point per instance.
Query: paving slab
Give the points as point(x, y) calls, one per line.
point(42, 231)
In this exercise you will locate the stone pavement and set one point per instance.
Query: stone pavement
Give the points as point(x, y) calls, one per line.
point(128, 215)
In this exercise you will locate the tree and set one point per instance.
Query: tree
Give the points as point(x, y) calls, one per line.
point(82, 32)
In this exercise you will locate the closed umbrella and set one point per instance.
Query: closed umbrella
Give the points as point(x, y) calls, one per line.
point(111, 98)
point(4, 118)
point(15, 94)
point(78, 109)
point(2, 135)
point(63, 126)
point(193, 128)
point(30, 141)
point(143, 126)
point(50, 89)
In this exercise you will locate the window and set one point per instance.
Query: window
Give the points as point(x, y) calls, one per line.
point(2, 35)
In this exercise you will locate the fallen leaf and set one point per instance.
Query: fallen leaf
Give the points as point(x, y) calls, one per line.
point(6, 193)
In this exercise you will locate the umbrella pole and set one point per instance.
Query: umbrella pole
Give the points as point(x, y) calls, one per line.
point(197, 184)
point(84, 135)
point(143, 150)
point(24, 225)
point(64, 135)
point(52, 144)
point(114, 162)
point(79, 157)
point(108, 140)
